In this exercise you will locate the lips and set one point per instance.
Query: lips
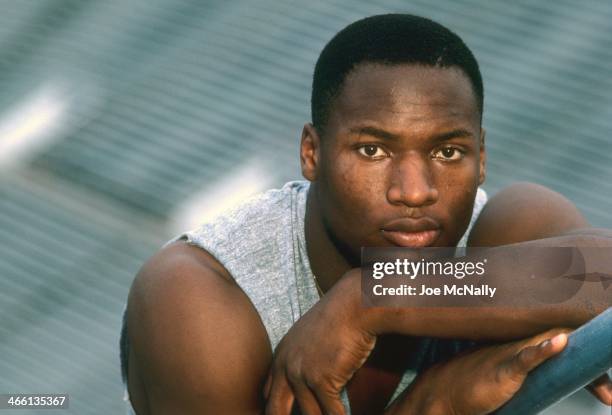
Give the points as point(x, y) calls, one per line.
point(411, 233)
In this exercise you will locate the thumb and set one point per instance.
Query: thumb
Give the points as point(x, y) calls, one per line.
point(532, 356)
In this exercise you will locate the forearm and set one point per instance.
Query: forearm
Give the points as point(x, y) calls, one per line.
point(475, 323)
point(505, 321)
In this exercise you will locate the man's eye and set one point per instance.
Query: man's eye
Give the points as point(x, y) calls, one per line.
point(449, 153)
point(371, 151)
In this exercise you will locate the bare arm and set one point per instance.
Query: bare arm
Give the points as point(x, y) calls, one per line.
point(522, 215)
point(526, 212)
point(197, 343)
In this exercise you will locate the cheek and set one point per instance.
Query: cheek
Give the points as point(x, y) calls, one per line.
point(355, 189)
point(457, 194)
point(457, 180)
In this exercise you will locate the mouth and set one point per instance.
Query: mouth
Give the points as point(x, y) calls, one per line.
point(411, 239)
point(411, 233)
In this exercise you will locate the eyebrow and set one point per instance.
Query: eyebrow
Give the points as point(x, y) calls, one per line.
point(374, 132)
point(386, 135)
point(457, 133)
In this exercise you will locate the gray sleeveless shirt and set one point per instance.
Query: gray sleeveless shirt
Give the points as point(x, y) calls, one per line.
point(262, 245)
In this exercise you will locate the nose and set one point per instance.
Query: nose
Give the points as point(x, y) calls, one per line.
point(411, 183)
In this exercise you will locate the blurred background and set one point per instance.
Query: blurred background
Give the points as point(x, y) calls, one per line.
point(123, 122)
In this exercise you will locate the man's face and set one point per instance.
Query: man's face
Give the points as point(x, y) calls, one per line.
point(401, 158)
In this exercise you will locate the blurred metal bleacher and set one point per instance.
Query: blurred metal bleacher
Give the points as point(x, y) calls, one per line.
point(138, 105)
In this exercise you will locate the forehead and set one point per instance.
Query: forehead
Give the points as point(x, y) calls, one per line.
point(405, 94)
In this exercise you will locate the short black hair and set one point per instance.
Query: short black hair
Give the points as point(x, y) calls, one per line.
point(388, 39)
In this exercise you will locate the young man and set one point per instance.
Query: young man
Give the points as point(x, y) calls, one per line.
point(394, 157)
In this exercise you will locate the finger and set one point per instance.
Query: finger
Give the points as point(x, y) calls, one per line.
point(530, 357)
point(306, 400)
point(601, 388)
point(281, 396)
point(267, 386)
point(329, 401)
point(538, 339)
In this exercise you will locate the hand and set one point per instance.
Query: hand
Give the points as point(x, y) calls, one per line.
point(318, 356)
point(479, 381)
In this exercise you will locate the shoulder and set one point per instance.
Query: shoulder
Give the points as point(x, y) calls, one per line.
point(194, 333)
point(523, 212)
point(273, 201)
point(258, 214)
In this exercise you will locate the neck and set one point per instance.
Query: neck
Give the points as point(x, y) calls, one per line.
point(326, 261)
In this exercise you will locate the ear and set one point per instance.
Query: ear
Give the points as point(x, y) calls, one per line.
point(483, 158)
point(310, 150)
